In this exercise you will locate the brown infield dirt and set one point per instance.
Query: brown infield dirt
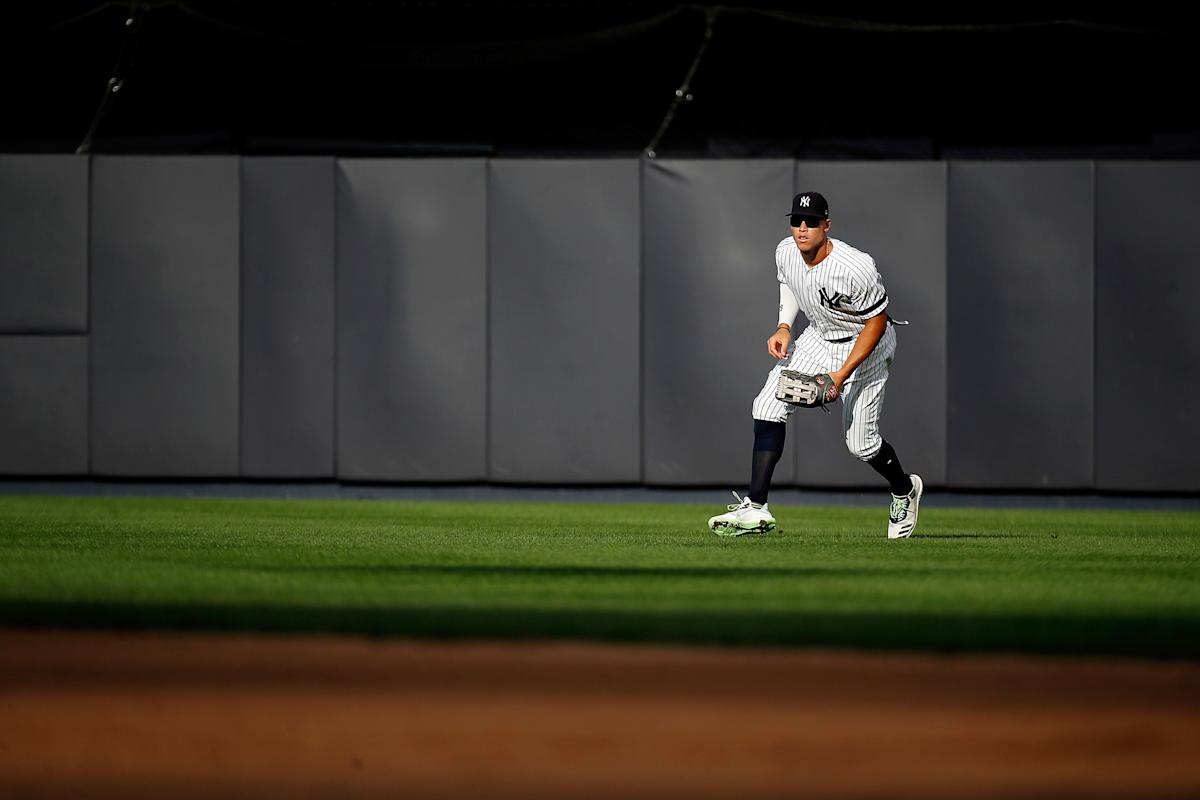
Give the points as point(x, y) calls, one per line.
point(232, 716)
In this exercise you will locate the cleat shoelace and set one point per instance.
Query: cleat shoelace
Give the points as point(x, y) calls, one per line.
point(741, 501)
point(899, 508)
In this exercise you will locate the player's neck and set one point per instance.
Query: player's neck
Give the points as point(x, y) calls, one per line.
point(819, 254)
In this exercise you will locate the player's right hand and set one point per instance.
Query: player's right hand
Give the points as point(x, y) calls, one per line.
point(777, 345)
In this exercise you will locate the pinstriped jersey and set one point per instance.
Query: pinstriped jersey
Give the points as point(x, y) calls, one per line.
point(839, 294)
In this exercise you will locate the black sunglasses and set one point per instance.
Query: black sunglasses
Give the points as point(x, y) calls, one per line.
point(811, 222)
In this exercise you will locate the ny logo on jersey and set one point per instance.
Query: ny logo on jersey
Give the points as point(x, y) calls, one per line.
point(835, 301)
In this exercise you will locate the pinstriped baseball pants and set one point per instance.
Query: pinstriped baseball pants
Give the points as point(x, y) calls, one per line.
point(862, 394)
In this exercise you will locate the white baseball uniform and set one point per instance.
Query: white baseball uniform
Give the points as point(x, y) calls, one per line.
point(838, 296)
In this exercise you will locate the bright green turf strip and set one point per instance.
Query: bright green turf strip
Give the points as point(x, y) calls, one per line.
point(1054, 581)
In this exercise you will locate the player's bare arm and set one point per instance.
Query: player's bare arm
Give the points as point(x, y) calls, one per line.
point(872, 332)
point(777, 345)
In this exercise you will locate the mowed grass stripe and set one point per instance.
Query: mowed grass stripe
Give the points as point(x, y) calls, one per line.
point(1020, 580)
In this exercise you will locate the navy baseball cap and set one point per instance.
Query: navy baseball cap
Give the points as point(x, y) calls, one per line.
point(810, 204)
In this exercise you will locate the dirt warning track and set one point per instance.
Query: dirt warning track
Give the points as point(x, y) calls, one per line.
point(156, 715)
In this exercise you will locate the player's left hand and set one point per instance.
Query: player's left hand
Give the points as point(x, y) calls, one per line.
point(839, 378)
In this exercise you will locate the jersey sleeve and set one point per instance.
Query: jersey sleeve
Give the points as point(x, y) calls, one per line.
point(779, 249)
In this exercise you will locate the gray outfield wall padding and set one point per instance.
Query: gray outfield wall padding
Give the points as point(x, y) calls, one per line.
point(287, 338)
point(1148, 281)
point(896, 212)
point(164, 311)
point(1021, 318)
point(43, 244)
point(1074, 279)
point(711, 300)
point(412, 319)
point(43, 405)
point(564, 319)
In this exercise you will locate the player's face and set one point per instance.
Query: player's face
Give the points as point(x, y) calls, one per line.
point(809, 233)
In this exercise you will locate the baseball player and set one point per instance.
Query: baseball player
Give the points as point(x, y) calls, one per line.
point(850, 337)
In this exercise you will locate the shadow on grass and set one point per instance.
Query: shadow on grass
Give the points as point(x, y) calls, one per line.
point(567, 571)
point(1147, 636)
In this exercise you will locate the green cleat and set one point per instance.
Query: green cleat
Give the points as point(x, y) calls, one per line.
point(902, 517)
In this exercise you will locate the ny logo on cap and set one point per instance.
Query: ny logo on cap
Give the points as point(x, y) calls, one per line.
point(804, 201)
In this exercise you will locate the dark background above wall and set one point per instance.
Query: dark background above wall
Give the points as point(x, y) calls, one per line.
point(597, 78)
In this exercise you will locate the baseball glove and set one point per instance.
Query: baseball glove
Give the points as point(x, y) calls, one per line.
point(810, 391)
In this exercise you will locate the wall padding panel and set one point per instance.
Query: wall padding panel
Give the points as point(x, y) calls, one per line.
point(287, 415)
point(43, 405)
point(565, 308)
point(1147, 282)
point(164, 312)
point(412, 319)
point(43, 244)
point(1021, 315)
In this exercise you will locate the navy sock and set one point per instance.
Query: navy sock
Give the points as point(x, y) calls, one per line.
point(887, 464)
point(768, 447)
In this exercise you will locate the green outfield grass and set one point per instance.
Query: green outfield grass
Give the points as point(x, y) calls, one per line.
point(1015, 580)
